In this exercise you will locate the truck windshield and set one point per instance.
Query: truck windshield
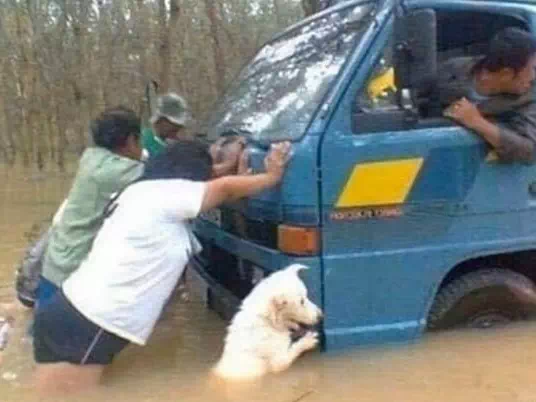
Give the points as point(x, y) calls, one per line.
point(275, 95)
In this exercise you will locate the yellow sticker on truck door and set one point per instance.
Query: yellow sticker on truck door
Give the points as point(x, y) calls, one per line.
point(379, 183)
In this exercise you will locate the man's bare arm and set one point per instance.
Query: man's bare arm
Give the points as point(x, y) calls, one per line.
point(510, 146)
point(232, 188)
point(226, 156)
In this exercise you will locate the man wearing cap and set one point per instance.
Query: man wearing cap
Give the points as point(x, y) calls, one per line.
point(172, 115)
point(168, 120)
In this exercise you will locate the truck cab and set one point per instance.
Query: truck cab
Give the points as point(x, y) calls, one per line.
point(407, 221)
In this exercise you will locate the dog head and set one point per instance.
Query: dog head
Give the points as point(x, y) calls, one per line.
point(288, 305)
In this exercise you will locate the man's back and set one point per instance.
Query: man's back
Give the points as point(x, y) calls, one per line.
point(101, 173)
point(137, 258)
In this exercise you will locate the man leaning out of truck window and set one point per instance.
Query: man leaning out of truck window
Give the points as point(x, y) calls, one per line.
point(494, 95)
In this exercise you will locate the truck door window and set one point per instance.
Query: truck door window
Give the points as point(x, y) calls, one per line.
point(378, 95)
point(380, 90)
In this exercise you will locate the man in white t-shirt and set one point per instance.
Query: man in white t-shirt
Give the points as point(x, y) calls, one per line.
point(118, 293)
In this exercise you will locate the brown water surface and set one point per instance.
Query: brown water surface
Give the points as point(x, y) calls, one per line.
point(463, 366)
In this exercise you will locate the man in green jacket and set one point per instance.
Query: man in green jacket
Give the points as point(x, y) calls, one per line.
point(104, 169)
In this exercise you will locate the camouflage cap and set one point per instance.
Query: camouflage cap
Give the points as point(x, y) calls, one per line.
point(172, 107)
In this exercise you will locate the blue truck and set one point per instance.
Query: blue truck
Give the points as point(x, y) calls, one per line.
point(408, 222)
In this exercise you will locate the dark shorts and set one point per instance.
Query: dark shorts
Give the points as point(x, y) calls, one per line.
point(63, 334)
point(45, 291)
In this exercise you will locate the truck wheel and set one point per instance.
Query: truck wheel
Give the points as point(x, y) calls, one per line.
point(483, 299)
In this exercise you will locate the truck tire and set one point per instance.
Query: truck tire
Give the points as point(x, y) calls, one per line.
point(483, 299)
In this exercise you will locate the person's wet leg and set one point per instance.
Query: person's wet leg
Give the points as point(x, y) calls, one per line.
point(64, 378)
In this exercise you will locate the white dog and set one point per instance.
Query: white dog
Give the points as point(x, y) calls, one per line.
point(259, 337)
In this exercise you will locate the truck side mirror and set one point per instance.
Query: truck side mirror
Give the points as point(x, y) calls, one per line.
point(415, 52)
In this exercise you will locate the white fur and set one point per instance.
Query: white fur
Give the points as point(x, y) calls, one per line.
point(258, 339)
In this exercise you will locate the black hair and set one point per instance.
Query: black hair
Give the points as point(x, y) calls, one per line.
point(186, 159)
point(113, 127)
point(510, 48)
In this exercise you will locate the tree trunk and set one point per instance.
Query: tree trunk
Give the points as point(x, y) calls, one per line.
point(278, 16)
point(313, 6)
point(219, 61)
point(167, 26)
point(140, 25)
point(174, 12)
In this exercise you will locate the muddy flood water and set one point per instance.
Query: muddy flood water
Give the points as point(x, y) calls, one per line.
point(174, 366)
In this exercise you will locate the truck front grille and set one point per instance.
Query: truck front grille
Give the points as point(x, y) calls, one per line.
point(263, 233)
point(232, 273)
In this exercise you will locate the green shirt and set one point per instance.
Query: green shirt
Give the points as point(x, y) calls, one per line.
point(101, 173)
point(151, 142)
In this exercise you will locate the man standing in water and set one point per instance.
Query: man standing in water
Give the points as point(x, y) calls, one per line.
point(104, 169)
point(168, 125)
point(141, 251)
point(168, 121)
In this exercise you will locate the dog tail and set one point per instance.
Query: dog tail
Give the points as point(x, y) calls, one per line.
point(295, 268)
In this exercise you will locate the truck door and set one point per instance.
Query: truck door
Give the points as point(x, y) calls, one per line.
point(397, 198)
